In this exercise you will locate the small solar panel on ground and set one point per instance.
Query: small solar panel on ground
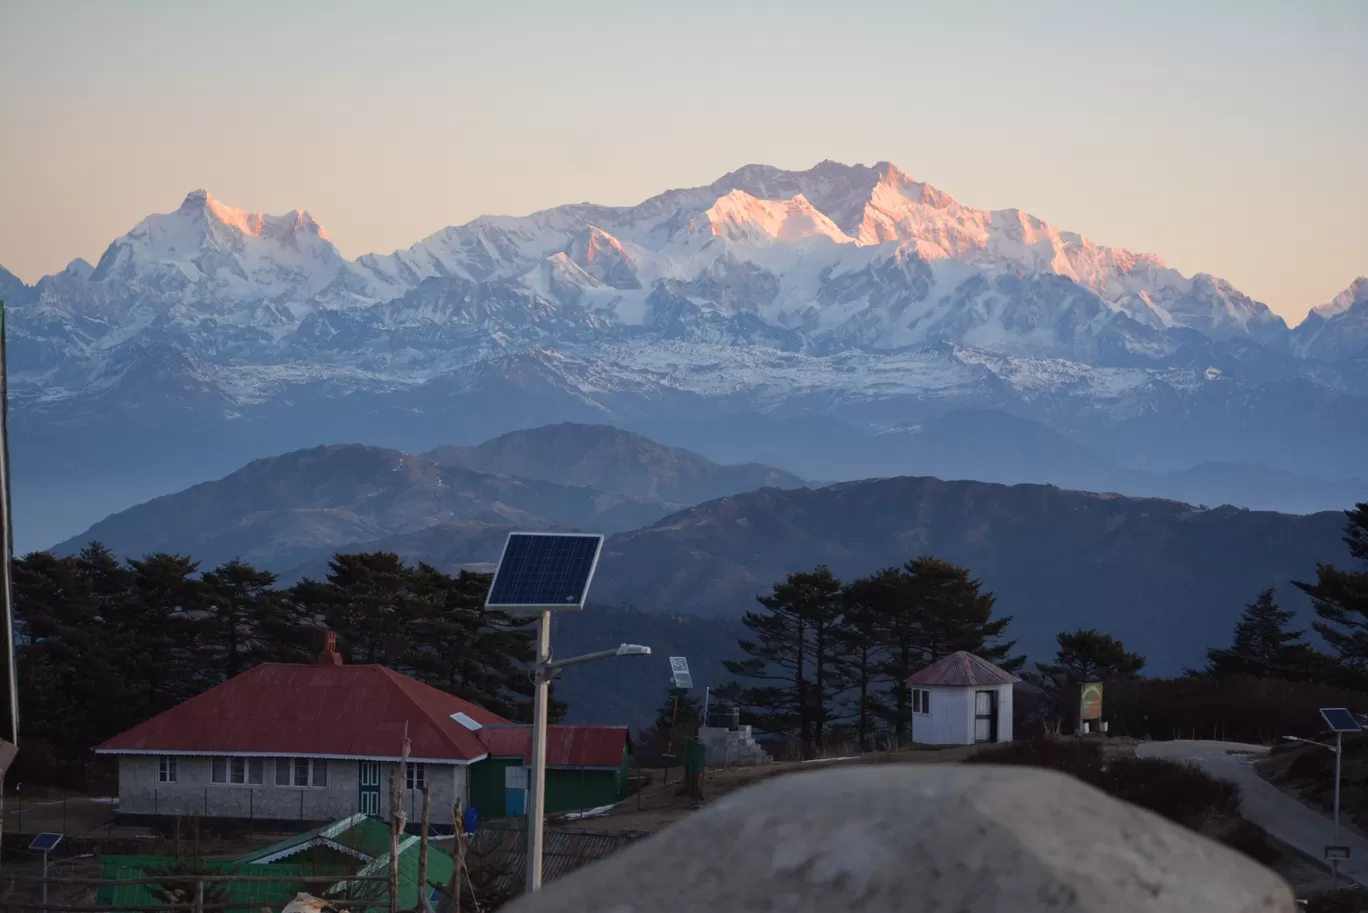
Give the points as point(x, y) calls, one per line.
point(545, 571)
point(1339, 719)
point(45, 842)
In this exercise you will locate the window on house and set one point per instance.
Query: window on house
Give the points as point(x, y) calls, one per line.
point(237, 771)
point(166, 772)
point(417, 777)
point(310, 772)
point(921, 700)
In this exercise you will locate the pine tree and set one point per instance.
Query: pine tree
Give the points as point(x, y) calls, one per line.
point(1341, 598)
point(163, 615)
point(1090, 656)
point(956, 615)
point(70, 683)
point(1265, 647)
point(862, 653)
point(371, 602)
point(249, 621)
point(795, 647)
point(475, 654)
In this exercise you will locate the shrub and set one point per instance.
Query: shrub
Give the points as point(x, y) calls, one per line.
point(1182, 793)
point(1239, 708)
point(1068, 755)
point(1179, 792)
point(1247, 837)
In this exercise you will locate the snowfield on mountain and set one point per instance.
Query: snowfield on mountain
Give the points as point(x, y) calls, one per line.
point(849, 291)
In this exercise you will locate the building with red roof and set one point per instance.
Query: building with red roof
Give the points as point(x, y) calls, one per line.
point(961, 699)
point(293, 742)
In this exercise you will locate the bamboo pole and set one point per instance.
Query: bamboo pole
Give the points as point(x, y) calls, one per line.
point(397, 821)
point(458, 853)
point(423, 905)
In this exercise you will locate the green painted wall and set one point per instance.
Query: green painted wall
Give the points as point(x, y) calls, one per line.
point(487, 785)
point(571, 789)
point(567, 789)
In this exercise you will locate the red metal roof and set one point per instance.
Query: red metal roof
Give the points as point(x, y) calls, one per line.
point(315, 710)
point(962, 668)
point(566, 746)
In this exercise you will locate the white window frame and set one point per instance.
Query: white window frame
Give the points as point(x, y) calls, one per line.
point(166, 769)
point(921, 701)
point(225, 770)
point(415, 776)
point(302, 773)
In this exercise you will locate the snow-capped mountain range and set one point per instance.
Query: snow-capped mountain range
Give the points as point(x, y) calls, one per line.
point(847, 290)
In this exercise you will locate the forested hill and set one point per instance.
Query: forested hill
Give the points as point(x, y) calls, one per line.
point(1167, 578)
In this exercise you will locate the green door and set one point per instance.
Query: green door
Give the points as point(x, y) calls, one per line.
point(368, 799)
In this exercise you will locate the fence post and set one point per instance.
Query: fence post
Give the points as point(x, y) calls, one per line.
point(423, 904)
point(199, 895)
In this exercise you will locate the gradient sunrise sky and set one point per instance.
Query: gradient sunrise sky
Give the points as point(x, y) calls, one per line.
point(1227, 137)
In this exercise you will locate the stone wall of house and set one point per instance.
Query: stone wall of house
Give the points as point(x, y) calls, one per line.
point(917, 838)
point(142, 792)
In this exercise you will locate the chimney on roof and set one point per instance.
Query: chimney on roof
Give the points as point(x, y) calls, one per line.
point(330, 656)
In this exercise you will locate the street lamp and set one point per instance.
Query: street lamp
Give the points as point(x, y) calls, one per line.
point(1340, 721)
point(541, 573)
point(545, 670)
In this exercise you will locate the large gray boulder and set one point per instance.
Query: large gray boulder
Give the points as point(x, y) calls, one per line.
point(924, 838)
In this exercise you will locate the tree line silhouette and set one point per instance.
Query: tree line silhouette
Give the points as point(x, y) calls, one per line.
point(103, 644)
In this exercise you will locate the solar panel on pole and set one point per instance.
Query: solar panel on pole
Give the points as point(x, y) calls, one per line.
point(541, 573)
point(545, 572)
point(679, 673)
point(1339, 719)
point(45, 842)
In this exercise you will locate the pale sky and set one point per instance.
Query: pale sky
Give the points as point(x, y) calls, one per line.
point(1227, 137)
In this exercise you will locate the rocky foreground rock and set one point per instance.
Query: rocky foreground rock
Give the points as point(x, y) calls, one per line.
point(923, 838)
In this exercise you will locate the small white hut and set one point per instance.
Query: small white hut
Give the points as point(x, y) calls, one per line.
point(961, 700)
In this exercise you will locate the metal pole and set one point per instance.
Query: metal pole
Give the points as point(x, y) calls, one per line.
point(7, 539)
point(7, 749)
point(536, 801)
point(45, 857)
point(1339, 753)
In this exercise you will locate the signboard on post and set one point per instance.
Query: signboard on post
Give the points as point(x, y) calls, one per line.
point(1337, 852)
point(1089, 702)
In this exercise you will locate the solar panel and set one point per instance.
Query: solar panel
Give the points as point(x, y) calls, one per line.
point(679, 672)
point(541, 571)
point(45, 842)
point(1340, 720)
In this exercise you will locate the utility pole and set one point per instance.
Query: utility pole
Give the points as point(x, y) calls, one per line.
point(9, 743)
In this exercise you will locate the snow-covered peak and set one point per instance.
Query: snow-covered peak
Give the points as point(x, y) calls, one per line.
point(79, 268)
point(1357, 291)
point(603, 257)
point(199, 202)
point(738, 216)
point(209, 255)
